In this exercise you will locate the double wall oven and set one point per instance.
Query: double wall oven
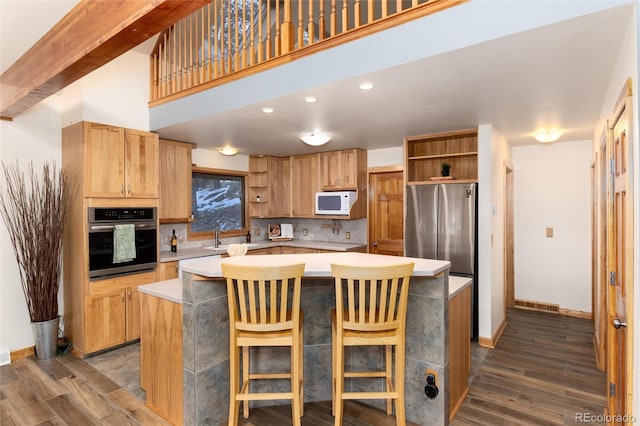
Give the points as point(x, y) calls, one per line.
point(102, 224)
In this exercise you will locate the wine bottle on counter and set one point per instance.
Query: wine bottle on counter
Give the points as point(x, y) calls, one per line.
point(248, 236)
point(174, 242)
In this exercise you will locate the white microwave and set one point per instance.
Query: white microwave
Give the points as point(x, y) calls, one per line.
point(335, 203)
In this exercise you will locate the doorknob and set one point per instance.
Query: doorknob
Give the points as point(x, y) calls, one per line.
point(617, 323)
point(375, 244)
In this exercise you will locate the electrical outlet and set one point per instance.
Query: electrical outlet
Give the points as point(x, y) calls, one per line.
point(434, 373)
point(347, 235)
point(304, 232)
point(256, 231)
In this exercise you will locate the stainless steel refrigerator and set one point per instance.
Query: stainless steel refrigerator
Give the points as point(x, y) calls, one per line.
point(441, 224)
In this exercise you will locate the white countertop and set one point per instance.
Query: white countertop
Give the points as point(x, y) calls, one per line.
point(190, 253)
point(457, 283)
point(170, 289)
point(317, 264)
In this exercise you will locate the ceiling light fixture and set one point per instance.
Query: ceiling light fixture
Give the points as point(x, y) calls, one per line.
point(366, 85)
point(548, 135)
point(267, 110)
point(228, 151)
point(310, 99)
point(315, 138)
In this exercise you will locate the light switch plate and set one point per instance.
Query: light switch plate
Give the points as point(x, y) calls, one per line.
point(549, 232)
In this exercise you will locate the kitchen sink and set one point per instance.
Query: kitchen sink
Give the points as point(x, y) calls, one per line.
point(225, 246)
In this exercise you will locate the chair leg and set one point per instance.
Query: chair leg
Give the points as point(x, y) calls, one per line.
point(301, 381)
point(234, 404)
point(295, 383)
point(388, 368)
point(339, 388)
point(333, 368)
point(245, 377)
point(399, 385)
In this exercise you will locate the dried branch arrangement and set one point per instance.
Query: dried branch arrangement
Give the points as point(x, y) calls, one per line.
point(34, 213)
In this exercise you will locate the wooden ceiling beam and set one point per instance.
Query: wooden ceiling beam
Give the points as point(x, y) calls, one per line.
point(93, 33)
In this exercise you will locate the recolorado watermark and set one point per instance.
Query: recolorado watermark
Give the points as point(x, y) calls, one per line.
point(604, 418)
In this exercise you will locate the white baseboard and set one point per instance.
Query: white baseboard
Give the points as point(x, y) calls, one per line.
point(5, 358)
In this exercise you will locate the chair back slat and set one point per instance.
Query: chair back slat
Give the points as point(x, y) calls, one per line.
point(376, 297)
point(263, 299)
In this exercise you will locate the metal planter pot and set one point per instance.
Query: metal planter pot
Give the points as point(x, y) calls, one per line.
point(45, 334)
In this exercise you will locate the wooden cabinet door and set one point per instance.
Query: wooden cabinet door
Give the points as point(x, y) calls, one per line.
point(330, 164)
point(133, 314)
point(278, 186)
point(305, 182)
point(104, 161)
point(287, 250)
point(175, 180)
point(301, 250)
point(142, 152)
point(348, 169)
point(105, 320)
point(168, 270)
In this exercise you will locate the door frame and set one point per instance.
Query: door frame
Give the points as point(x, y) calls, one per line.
point(509, 238)
point(379, 170)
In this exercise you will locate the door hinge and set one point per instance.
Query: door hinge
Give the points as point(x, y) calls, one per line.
point(612, 166)
point(612, 278)
point(612, 390)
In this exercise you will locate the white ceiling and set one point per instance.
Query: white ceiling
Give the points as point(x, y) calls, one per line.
point(555, 76)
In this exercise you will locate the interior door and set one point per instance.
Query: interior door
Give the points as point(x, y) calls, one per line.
point(620, 249)
point(386, 200)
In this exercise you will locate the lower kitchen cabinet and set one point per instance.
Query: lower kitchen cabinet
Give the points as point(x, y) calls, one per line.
point(161, 356)
point(168, 270)
point(459, 345)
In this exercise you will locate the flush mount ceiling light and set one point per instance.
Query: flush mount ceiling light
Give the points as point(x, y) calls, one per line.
point(548, 135)
point(310, 99)
point(267, 110)
point(366, 85)
point(315, 138)
point(228, 151)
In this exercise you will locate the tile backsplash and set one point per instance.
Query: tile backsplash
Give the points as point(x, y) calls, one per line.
point(334, 231)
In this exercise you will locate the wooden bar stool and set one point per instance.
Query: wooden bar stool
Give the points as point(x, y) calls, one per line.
point(264, 310)
point(372, 312)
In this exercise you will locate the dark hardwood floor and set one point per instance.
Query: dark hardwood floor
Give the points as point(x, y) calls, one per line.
point(542, 372)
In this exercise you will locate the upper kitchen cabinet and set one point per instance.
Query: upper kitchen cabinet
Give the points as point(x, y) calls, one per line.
point(175, 182)
point(269, 186)
point(425, 155)
point(343, 170)
point(305, 182)
point(117, 162)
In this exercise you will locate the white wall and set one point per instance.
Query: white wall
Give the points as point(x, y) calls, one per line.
point(552, 185)
point(494, 153)
point(214, 160)
point(115, 94)
point(386, 156)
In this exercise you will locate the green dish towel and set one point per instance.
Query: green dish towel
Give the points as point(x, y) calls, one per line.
point(124, 243)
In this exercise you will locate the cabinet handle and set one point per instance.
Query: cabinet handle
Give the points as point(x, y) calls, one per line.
point(122, 189)
point(128, 188)
point(129, 295)
point(122, 296)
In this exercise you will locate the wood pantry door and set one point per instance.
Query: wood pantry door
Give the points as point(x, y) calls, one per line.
point(620, 252)
point(386, 212)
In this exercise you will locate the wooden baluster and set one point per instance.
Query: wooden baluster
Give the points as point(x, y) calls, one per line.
point(345, 18)
point(300, 27)
point(191, 64)
point(183, 54)
point(244, 34)
point(414, 3)
point(228, 54)
point(173, 59)
point(213, 39)
point(333, 18)
point(165, 70)
point(154, 77)
point(277, 42)
point(356, 14)
point(268, 46)
point(371, 12)
point(385, 9)
point(252, 51)
point(260, 34)
point(236, 48)
point(321, 23)
point(311, 28)
point(398, 6)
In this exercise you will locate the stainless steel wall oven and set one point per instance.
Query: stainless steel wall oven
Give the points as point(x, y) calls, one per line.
point(102, 225)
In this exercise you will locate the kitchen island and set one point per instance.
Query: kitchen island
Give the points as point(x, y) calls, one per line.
point(206, 334)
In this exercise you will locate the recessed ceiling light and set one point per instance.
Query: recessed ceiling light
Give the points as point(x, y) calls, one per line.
point(267, 110)
point(310, 99)
point(366, 85)
point(228, 150)
point(548, 135)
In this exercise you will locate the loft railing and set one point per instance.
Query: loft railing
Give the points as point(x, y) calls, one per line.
point(229, 39)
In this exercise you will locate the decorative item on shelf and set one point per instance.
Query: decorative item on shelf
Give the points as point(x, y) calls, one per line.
point(445, 169)
point(34, 213)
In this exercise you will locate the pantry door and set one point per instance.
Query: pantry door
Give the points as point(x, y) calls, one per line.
point(620, 249)
point(386, 211)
